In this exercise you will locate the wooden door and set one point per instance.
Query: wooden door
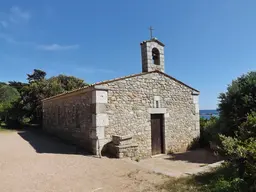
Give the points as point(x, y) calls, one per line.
point(157, 134)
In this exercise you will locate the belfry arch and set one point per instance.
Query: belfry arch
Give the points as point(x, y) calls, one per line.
point(156, 56)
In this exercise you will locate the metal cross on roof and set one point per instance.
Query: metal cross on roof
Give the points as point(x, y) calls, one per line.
point(151, 32)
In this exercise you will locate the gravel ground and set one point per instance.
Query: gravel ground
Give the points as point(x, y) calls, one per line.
point(30, 162)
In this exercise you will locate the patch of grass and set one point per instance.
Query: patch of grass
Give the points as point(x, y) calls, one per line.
point(4, 127)
point(2, 124)
point(181, 185)
point(222, 179)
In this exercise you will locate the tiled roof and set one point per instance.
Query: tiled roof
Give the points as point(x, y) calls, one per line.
point(118, 79)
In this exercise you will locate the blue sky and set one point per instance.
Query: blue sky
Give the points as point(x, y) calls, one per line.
point(208, 43)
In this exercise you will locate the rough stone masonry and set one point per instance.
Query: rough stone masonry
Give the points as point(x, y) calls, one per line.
point(92, 116)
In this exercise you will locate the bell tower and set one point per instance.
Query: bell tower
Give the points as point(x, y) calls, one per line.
point(152, 54)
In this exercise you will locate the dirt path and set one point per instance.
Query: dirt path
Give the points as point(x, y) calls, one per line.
point(33, 163)
point(181, 164)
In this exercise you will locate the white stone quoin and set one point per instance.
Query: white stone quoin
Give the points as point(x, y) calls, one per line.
point(100, 118)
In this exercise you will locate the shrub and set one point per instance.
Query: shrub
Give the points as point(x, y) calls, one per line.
point(224, 185)
point(209, 130)
point(221, 179)
point(8, 96)
point(241, 150)
point(238, 102)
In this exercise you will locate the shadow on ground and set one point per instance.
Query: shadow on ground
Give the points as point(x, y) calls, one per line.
point(195, 156)
point(44, 143)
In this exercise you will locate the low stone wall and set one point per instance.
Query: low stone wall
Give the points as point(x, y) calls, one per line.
point(122, 146)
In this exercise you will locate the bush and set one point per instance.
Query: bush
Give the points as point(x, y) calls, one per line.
point(209, 130)
point(238, 138)
point(8, 96)
point(238, 102)
point(241, 150)
point(221, 179)
point(224, 185)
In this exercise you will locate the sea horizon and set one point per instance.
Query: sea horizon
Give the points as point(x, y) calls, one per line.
point(208, 113)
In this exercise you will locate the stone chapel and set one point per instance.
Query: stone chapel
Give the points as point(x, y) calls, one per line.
point(143, 114)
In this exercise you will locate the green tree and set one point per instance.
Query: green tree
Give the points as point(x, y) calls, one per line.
point(8, 96)
point(17, 85)
point(238, 139)
point(68, 83)
point(37, 75)
point(238, 102)
point(61, 83)
point(32, 94)
point(40, 88)
point(29, 105)
point(2, 83)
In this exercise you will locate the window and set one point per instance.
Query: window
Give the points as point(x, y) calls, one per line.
point(156, 56)
point(157, 104)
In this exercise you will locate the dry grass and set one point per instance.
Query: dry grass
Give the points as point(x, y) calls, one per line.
point(184, 184)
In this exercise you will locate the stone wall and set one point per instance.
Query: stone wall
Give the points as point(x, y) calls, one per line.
point(70, 117)
point(130, 102)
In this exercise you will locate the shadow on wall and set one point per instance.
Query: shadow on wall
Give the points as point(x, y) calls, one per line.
point(43, 143)
point(196, 156)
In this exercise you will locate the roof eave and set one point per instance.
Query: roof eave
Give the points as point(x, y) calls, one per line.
point(87, 88)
